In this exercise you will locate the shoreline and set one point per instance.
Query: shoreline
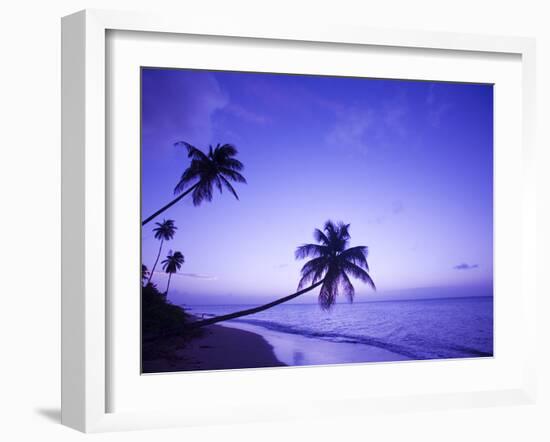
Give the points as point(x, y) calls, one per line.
point(239, 345)
point(216, 347)
point(299, 350)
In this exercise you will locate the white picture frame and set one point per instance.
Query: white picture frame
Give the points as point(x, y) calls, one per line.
point(85, 310)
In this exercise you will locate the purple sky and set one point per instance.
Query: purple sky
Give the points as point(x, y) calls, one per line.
point(408, 164)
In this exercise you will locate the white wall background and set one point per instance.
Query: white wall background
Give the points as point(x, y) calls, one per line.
point(30, 220)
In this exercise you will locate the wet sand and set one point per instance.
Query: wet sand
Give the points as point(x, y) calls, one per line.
point(297, 350)
point(216, 348)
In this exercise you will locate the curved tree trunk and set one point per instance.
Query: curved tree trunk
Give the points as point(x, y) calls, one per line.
point(168, 285)
point(156, 261)
point(251, 311)
point(170, 204)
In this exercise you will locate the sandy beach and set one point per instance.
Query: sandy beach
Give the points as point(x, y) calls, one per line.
point(215, 348)
point(237, 345)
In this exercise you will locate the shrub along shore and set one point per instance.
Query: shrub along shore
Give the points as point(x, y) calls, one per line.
point(167, 345)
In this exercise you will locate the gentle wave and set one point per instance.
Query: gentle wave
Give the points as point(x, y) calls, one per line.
point(426, 329)
point(333, 337)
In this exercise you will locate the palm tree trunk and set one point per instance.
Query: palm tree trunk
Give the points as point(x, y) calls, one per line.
point(156, 261)
point(251, 311)
point(170, 204)
point(168, 285)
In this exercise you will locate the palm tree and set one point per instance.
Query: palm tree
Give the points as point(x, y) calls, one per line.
point(331, 264)
point(144, 273)
point(217, 168)
point(164, 231)
point(171, 265)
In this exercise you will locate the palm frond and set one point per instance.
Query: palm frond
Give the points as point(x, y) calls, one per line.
point(194, 171)
point(165, 230)
point(203, 192)
point(331, 230)
point(313, 271)
point(173, 262)
point(313, 250)
point(320, 237)
point(357, 255)
point(178, 258)
point(347, 286)
point(226, 151)
point(192, 151)
point(229, 186)
point(357, 272)
point(235, 176)
point(329, 290)
point(218, 183)
point(167, 260)
point(343, 231)
point(233, 164)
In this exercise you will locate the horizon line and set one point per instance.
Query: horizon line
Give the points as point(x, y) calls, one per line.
point(439, 298)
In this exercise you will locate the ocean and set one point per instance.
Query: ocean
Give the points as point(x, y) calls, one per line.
point(412, 329)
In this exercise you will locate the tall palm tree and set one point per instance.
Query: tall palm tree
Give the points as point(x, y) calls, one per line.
point(216, 168)
point(330, 268)
point(164, 231)
point(171, 265)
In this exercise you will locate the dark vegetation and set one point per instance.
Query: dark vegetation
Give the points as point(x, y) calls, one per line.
point(159, 316)
point(163, 325)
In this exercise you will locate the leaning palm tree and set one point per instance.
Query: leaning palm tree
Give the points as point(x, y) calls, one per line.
point(216, 168)
point(331, 267)
point(171, 265)
point(164, 231)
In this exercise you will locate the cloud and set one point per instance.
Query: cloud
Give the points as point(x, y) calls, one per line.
point(436, 114)
point(246, 115)
point(350, 130)
point(287, 94)
point(394, 115)
point(436, 107)
point(465, 266)
point(199, 276)
point(397, 208)
point(178, 105)
point(191, 275)
point(361, 129)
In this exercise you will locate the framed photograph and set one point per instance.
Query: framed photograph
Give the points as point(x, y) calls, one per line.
point(270, 209)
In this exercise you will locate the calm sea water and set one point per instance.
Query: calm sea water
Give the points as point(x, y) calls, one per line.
point(418, 329)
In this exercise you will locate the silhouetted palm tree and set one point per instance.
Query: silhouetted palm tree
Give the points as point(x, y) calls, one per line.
point(171, 265)
point(164, 231)
point(331, 264)
point(217, 168)
point(144, 274)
